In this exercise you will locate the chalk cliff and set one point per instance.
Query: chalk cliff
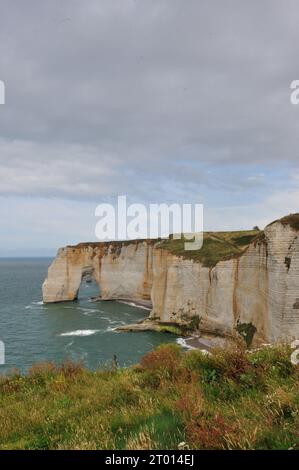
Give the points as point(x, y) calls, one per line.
point(253, 292)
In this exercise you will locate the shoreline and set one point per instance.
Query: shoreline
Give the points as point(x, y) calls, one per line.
point(201, 341)
point(143, 304)
point(205, 342)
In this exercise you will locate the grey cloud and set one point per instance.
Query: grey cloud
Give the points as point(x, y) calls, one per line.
point(107, 94)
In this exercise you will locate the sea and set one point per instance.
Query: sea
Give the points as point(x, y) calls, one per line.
point(33, 332)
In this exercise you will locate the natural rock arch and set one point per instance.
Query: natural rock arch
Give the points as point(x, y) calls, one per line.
point(88, 278)
point(122, 271)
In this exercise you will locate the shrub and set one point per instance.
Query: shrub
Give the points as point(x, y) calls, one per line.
point(70, 368)
point(232, 363)
point(274, 361)
point(42, 371)
point(165, 358)
point(194, 360)
point(210, 432)
point(191, 402)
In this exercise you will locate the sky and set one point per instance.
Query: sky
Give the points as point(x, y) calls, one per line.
point(160, 100)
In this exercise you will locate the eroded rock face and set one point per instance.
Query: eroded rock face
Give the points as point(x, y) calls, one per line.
point(123, 271)
point(257, 292)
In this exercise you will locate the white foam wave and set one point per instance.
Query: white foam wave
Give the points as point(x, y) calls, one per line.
point(88, 311)
point(34, 305)
point(80, 333)
point(182, 342)
point(133, 304)
point(109, 328)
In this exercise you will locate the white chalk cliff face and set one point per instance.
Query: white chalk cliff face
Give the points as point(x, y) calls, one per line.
point(258, 289)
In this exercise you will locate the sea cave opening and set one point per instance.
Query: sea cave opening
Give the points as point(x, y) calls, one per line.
point(89, 287)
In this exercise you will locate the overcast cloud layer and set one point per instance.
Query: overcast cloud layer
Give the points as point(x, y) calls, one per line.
point(162, 100)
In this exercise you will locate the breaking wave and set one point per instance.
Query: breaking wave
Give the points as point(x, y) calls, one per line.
point(182, 342)
point(80, 333)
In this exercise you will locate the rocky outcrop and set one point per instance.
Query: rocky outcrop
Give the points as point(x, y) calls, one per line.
point(122, 270)
point(255, 294)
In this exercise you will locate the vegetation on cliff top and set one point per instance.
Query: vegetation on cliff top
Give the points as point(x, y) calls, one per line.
point(217, 246)
point(292, 220)
point(231, 399)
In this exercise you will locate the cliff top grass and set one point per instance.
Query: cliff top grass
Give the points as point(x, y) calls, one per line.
point(114, 243)
point(231, 399)
point(217, 246)
point(291, 219)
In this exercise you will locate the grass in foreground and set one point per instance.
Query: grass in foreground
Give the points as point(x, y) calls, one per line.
point(229, 400)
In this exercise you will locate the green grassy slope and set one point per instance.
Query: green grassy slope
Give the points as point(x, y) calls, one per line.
point(217, 246)
point(229, 400)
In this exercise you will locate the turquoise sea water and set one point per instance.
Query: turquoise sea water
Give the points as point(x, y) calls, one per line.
point(33, 332)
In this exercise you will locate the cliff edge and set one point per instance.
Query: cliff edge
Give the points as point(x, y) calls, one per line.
point(239, 283)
